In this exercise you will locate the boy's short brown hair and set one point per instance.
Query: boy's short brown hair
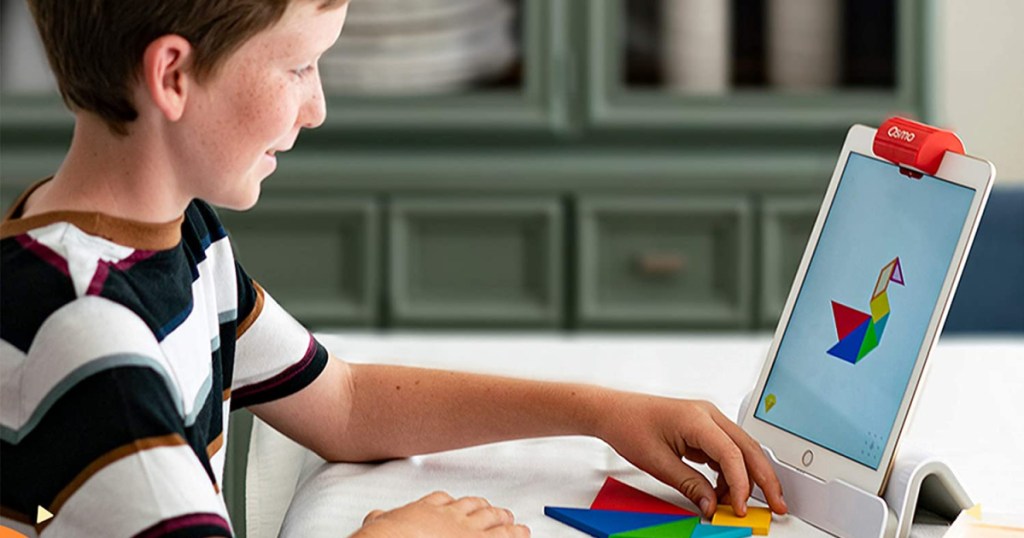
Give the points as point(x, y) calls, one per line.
point(95, 47)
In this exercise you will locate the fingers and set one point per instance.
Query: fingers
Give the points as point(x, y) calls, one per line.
point(721, 488)
point(495, 521)
point(469, 505)
point(490, 517)
point(669, 469)
point(720, 446)
point(372, 516)
point(476, 509)
point(761, 471)
point(437, 498)
point(512, 531)
point(443, 513)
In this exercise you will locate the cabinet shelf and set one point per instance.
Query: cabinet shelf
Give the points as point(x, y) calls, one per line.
point(615, 104)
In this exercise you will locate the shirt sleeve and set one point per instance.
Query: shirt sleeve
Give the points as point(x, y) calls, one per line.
point(275, 356)
point(96, 437)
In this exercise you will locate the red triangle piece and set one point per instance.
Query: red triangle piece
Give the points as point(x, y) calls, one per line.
point(847, 319)
point(615, 495)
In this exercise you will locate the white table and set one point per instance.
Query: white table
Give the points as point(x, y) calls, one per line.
point(969, 415)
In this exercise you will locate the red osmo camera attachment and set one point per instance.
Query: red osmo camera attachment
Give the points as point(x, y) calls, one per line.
point(915, 145)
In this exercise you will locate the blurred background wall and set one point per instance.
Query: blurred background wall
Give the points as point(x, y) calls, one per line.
point(980, 79)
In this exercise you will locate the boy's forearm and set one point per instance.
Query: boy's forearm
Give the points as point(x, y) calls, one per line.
point(399, 411)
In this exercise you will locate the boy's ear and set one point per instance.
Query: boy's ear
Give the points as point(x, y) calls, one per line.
point(165, 75)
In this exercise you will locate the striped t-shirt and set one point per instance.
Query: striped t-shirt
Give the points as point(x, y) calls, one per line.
point(123, 348)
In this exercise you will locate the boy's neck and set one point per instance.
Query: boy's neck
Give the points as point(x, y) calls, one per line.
point(130, 177)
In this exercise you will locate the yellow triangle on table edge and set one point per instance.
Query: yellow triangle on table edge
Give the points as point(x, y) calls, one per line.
point(974, 511)
point(42, 515)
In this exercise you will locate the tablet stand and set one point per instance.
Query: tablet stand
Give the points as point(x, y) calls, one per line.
point(917, 482)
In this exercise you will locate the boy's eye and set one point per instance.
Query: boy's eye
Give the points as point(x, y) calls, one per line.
point(303, 71)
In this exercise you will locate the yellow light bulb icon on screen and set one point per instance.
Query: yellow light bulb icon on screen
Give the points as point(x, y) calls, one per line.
point(769, 402)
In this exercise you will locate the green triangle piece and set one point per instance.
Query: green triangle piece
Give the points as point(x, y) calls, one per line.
point(870, 341)
point(677, 529)
point(720, 531)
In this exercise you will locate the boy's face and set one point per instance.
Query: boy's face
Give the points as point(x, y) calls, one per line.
point(254, 106)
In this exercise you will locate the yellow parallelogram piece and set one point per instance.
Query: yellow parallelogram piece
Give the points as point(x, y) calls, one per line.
point(880, 306)
point(758, 519)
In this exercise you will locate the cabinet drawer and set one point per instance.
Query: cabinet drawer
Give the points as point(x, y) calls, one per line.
point(682, 261)
point(318, 257)
point(472, 261)
point(787, 225)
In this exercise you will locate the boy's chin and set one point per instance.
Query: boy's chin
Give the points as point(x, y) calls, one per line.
point(240, 201)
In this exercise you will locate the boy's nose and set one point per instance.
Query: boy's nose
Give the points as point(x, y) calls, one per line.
point(314, 110)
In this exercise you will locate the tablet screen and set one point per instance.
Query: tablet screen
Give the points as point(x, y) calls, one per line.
point(861, 315)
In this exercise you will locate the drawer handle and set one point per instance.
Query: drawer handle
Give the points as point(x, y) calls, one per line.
point(660, 264)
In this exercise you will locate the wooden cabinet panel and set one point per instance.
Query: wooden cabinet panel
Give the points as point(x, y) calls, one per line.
point(317, 256)
point(786, 224)
point(682, 261)
point(470, 261)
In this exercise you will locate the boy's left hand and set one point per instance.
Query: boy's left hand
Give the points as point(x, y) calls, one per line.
point(653, 433)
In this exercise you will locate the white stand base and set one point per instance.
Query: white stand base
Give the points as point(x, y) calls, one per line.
point(917, 481)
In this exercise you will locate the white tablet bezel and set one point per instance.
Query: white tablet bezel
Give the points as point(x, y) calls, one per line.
point(824, 463)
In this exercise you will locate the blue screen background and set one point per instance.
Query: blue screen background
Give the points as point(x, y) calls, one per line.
point(877, 215)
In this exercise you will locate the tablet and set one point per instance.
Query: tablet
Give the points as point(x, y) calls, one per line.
point(865, 309)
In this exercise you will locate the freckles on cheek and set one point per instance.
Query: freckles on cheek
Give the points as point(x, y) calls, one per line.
point(261, 109)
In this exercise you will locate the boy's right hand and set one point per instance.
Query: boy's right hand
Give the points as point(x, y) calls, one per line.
point(440, 515)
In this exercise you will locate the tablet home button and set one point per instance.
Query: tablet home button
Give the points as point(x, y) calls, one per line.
point(807, 458)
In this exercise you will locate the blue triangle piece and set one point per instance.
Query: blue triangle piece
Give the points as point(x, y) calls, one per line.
point(848, 348)
point(718, 531)
point(880, 326)
point(603, 523)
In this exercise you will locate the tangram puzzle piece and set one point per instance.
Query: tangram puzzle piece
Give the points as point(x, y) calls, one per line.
point(711, 531)
point(605, 523)
point(615, 495)
point(676, 529)
point(847, 319)
point(849, 347)
point(757, 519)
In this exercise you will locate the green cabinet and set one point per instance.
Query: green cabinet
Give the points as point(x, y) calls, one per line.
point(475, 261)
point(882, 59)
point(786, 223)
point(682, 260)
point(319, 256)
point(529, 104)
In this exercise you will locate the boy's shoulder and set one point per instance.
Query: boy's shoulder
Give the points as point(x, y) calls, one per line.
point(86, 272)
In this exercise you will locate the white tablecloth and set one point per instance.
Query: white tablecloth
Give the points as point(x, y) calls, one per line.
point(969, 415)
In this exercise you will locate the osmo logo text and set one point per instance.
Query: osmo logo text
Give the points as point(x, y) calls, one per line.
point(900, 134)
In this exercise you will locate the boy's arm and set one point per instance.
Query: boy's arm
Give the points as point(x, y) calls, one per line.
point(362, 412)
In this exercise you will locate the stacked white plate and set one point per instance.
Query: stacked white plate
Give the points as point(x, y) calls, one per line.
point(421, 46)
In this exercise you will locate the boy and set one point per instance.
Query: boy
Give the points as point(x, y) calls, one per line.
point(129, 332)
